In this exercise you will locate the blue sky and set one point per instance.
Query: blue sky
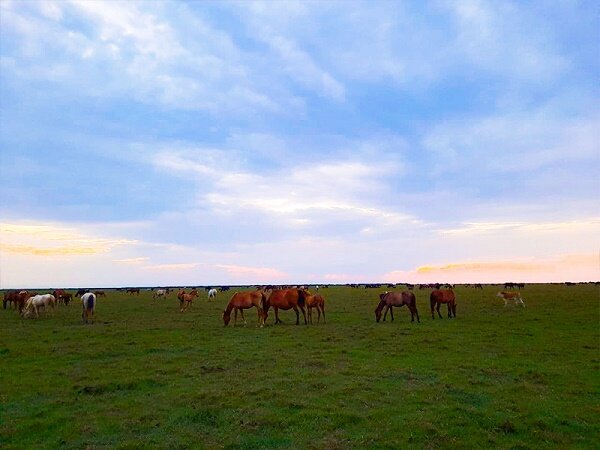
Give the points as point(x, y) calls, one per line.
point(159, 143)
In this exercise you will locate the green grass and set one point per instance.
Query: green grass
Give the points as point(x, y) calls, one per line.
point(147, 376)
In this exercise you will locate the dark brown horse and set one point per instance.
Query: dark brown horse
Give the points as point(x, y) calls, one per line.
point(246, 300)
point(287, 299)
point(318, 302)
point(440, 296)
point(388, 300)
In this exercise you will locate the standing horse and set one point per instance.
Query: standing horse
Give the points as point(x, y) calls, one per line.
point(440, 296)
point(212, 293)
point(88, 303)
point(506, 296)
point(287, 299)
point(388, 300)
point(164, 293)
point(318, 302)
point(38, 301)
point(65, 298)
point(186, 300)
point(246, 300)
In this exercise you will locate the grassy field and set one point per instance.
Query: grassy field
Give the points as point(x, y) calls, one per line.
point(147, 376)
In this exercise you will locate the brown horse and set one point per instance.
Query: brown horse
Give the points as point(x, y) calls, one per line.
point(186, 300)
point(388, 300)
point(287, 299)
point(65, 298)
point(16, 298)
point(246, 300)
point(440, 296)
point(318, 302)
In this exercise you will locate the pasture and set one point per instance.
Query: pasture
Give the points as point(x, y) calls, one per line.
point(146, 375)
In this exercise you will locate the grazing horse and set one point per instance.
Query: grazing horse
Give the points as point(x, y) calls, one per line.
point(88, 303)
point(440, 296)
point(246, 300)
point(212, 293)
point(58, 293)
point(38, 301)
point(318, 302)
point(132, 291)
point(100, 293)
point(65, 298)
point(186, 300)
point(16, 298)
point(388, 300)
point(80, 292)
point(506, 296)
point(164, 293)
point(287, 299)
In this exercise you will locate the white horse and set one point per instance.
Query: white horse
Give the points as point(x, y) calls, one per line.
point(160, 293)
point(506, 296)
point(88, 302)
point(212, 293)
point(33, 303)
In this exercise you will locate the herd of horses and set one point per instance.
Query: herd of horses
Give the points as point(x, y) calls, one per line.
point(300, 300)
point(30, 303)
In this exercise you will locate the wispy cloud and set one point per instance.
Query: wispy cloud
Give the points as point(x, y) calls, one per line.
point(579, 267)
point(175, 266)
point(50, 240)
point(138, 260)
point(249, 274)
point(573, 226)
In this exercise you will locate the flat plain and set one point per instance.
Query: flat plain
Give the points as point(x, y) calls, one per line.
point(148, 376)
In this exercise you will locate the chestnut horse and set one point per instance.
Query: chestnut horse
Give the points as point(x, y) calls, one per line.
point(388, 300)
point(16, 298)
point(246, 300)
point(318, 302)
point(186, 300)
point(287, 299)
point(440, 296)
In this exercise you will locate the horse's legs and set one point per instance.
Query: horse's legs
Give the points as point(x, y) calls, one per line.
point(391, 307)
point(277, 320)
point(417, 313)
point(449, 310)
point(387, 308)
point(437, 308)
point(235, 316)
point(309, 311)
point(303, 309)
point(297, 315)
point(261, 316)
point(323, 311)
point(432, 309)
point(242, 314)
point(454, 309)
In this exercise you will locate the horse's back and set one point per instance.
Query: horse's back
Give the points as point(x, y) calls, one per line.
point(286, 298)
point(443, 295)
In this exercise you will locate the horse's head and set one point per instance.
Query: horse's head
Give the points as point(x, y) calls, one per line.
point(226, 317)
point(379, 309)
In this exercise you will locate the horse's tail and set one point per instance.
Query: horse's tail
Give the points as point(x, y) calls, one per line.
point(90, 302)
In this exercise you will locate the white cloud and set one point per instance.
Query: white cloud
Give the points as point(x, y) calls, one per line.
point(517, 142)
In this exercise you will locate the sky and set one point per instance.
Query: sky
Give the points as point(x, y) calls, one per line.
point(207, 143)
